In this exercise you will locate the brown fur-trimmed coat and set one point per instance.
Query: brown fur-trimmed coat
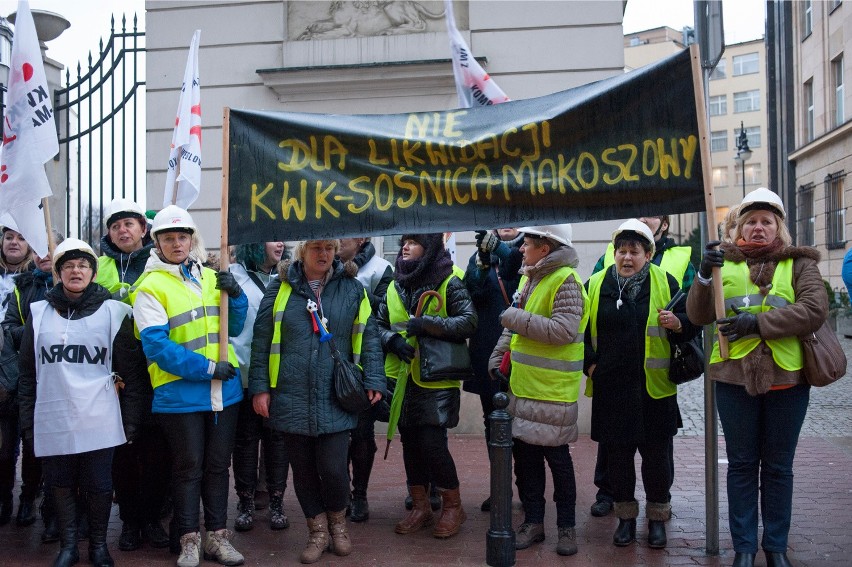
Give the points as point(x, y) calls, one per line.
point(757, 371)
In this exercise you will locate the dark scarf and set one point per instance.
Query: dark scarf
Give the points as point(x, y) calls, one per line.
point(94, 294)
point(427, 271)
point(632, 284)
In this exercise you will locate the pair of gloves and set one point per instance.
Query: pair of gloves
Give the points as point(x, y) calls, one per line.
point(488, 243)
point(742, 323)
point(417, 327)
point(226, 282)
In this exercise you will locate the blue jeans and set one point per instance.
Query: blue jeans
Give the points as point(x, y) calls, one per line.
point(530, 480)
point(761, 434)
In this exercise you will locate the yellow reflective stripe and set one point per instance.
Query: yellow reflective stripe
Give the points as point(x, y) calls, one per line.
point(399, 326)
point(546, 363)
point(278, 317)
point(187, 317)
point(275, 348)
point(657, 363)
point(656, 331)
point(358, 328)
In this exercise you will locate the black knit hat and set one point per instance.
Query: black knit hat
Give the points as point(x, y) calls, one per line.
point(424, 240)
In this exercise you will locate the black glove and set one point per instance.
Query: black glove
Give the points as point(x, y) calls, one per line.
point(224, 371)
point(483, 260)
point(416, 327)
point(713, 258)
point(400, 347)
point(499, 376)
point(740, 325)
point(488, 242)
point(480, 236)
point(226, 282)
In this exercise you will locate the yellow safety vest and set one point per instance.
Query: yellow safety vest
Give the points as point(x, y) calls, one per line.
point(787, 351)
point(399, 322)
point(543, 371)
point(193, 320)
point(108, 277)
point(284, 292)
point(657, 348)
point(675, 260)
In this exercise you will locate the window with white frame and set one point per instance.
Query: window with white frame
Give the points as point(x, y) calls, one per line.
point(720, 71)
point(747, 101)
point(718, 141)
point(720, 177)
point(835, 213)
point(807, 18)
point(806, 223)
point(837, 83)
point(718, 105)
point(754, 174)
point(746, 64)
point(808, 118)
point(753, 133)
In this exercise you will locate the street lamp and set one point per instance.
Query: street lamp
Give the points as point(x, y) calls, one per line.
point(743, 151)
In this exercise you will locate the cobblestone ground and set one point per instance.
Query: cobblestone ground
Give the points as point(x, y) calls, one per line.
point(829, 413)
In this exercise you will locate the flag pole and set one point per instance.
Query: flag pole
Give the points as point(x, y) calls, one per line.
point(224, 257)
point(709, 199)
point(175, 186)
point(48, 226)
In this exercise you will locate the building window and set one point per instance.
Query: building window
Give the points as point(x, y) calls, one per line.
point(809, 111)
point(807, 18)
point(806, 222)
point(747, 101)
point(753, 175)
point(837, 84)
point(719, 141)
point(833, 5)
point(834, 211)
point(390, 248)
point(720, 177)
point(720, 72)
point(753, 133)
point(746, 64)
point(718, 105)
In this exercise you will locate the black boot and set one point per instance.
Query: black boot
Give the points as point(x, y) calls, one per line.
point(625, 533)
point(5, 509)
point(48, 516)
point(656, 534)
point(100, 506)
point(82, 516)
point(362, 455)
point(131, 536)
point(743, 560)
point(360, 508)
point(65, 500)
point(26, 512)
point(776, 559)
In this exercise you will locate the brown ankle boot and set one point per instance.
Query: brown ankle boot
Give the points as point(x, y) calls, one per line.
point(452, 514)
point(317, 539)
point(421, 512)
point(340, 542)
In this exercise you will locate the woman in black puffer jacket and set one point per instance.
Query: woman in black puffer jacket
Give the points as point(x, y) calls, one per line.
point(425, 410)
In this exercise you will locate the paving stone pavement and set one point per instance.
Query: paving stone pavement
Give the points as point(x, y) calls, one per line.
point(819, 534)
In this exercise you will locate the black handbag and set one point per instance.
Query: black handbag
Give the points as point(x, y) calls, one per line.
point(687, 358)
point(349, 383)
point(443, 360)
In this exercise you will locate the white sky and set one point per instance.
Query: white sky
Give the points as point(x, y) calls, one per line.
point(744, 20)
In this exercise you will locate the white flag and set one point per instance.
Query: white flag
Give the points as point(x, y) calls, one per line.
point(183, 176)
point(474, 86)
point(29, 133)
point(28, 219)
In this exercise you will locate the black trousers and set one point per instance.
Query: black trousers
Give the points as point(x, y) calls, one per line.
point(141, 476)
point(320, 471)
point(31, 473)
point(530, 480)
point(427, 458)
point(362, 451)
point(201, 445)
point(252, 437)
point(656, 471)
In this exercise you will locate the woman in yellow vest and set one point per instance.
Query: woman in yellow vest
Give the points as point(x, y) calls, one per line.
point(544, 336)
point(425, 410)
point(773, 294)
point(291, 380)
point(634, 406)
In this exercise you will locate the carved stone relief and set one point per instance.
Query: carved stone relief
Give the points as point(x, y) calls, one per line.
point(363, 18)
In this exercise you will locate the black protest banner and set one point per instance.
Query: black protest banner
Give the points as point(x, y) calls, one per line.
point(621, 147)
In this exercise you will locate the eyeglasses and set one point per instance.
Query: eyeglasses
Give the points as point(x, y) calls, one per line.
point(70, 266)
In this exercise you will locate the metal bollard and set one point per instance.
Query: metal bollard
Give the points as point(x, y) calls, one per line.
point(500, 541)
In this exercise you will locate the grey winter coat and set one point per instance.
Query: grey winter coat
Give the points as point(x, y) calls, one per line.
point(303, 402)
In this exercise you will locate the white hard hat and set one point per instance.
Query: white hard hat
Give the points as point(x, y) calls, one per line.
point(637, 226)
point(560, 233)
point(762, 198)
point(123, 208)
point(173, 218)
point(72, 248)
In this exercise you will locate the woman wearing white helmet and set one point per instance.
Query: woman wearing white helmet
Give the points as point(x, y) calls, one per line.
point(543, 332)
point(76, 343)
point(125, 247)
point(774, 294)
point(196, 395)
point(634, 406)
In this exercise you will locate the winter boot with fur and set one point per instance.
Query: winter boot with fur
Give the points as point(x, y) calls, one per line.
point(658, 513)
point(452, 514)
point(317, 539)
point(421, 512)
point(625, 533)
